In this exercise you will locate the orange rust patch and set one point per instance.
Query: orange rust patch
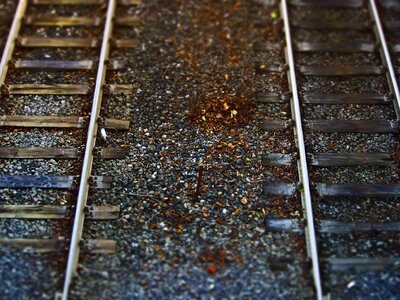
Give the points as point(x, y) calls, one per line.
point(216, 112)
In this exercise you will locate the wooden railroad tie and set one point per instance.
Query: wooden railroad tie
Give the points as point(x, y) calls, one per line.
point(66, 65)
point(330, 226)
point(47, 42)
point(59, 122)
point(97, 246)
point(63, 89)
point(59, 153)
point(83, 2)
point(56, 212)
point(51, 182)
point(332, 159)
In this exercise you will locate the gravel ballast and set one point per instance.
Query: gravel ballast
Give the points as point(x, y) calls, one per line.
point(190, 190)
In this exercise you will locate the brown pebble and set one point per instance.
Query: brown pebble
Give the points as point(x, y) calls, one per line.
point(211, 269)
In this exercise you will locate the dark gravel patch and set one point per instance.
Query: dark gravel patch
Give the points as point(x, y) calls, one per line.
point(39, 105)
point(27, 275)
point(329, 14)
point(358, 84)
point(362, 210)
point(369, 285)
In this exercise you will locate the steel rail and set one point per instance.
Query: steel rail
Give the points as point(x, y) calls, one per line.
point(386, 55)
point(10, 44)
point(306, 194)
point(79, 219)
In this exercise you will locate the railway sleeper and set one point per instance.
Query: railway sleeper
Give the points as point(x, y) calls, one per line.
point(68, 2)
point(330, 226)
point(335, 47)
point(337, 264)
point(46, 89)
point(63, 89)
point(71, 65)
point(38, 153)
point(322, 98)
point(272, 125)
point(93, 246)
point(278, 159)
point(335, 189)
point(59, 153)
point(332, 159)
point(328, 3)
point(357, 190)
point(62, 21)
point(120, 89)
point(59, 122)
point(280, 189)
point(128, 21)
point(83, 2)
point(353, 126)
point(354, 98)
point(125, 43)
point(262, 69)
point(78, 21)
point(51, 182)
point(33, 42)
point(279, 264)
point(48, 42)
point(341, 70)
point(273, 98)
point(56, 212)
point(350, 159)
point(113, 152)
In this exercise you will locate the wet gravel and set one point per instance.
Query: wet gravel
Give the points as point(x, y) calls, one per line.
point(21, 271)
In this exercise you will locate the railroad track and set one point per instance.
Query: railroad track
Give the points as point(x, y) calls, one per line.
point(346, 156)
point(45, 60)
point(310, 165)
